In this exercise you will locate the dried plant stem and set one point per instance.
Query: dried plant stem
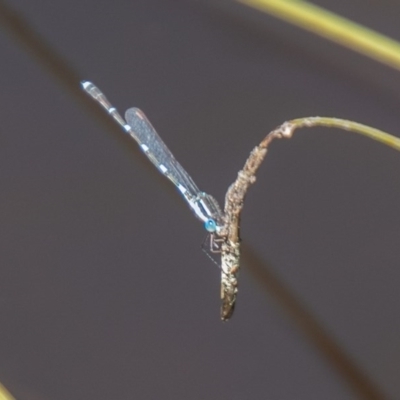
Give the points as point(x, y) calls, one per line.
point(234, 199)
point(230, 249)
point(372, 133)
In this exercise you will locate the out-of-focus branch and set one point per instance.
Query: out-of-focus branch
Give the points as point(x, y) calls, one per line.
point(312, 329)
point(21, 31)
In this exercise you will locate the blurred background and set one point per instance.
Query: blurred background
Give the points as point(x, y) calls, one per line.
point(104, 290)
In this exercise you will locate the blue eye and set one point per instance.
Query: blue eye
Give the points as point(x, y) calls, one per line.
point(210, 225)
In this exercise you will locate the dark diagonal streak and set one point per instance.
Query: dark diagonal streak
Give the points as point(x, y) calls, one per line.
point(310, 326)
point(25, 35)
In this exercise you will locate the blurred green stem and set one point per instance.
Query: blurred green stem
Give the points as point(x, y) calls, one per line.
point(287, 129)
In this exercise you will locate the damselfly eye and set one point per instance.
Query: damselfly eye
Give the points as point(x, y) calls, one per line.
point(210, 225)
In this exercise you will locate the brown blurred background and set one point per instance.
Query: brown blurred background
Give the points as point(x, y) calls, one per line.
point(104, 291)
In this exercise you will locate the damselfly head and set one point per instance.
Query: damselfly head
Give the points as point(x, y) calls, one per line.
point(210, 225)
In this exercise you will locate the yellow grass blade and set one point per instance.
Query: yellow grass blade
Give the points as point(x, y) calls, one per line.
point(5, 394)
point(333, 27)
